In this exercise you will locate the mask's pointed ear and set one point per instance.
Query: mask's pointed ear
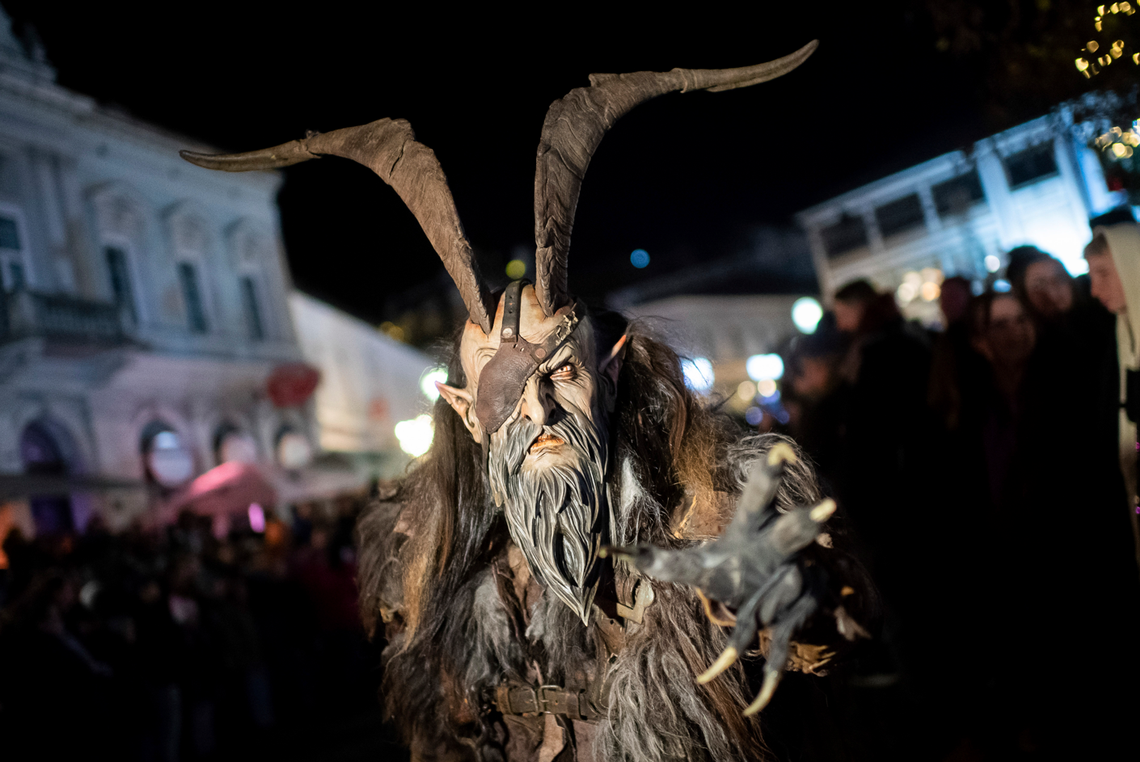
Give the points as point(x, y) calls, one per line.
point(463, 404)
point(610, 366)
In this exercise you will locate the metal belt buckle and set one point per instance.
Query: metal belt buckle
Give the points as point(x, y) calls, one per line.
point(545, 704)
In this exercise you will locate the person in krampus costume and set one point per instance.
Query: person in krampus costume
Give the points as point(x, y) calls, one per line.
point(551, 576)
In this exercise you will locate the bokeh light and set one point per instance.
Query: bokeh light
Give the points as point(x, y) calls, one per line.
point(256, 517)
point(765, 367)
point(415, 435)
point(930, 291)
point(993, 263)
point(516, 269)
point(754, 416)
point(766, 388)
point(639, 258)
point(932, 275)
point(806, 314)
point(428, 380)
point(698, 373)
point(1001, 285)
point(746, 390)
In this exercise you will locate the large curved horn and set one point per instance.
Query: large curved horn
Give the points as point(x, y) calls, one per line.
point(389, 148)
point(574, 127)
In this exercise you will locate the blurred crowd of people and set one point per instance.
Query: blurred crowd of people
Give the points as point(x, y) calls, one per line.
point(179, 644)
point(979, 467)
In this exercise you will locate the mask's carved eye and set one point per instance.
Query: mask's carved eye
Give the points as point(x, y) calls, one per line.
point(565, 373)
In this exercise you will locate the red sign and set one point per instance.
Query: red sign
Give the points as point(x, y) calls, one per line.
point(292, 384)
point(378, 409)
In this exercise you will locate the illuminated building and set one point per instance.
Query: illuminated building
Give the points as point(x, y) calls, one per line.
point(958, 214)
point(725, 311)
point(143, 312)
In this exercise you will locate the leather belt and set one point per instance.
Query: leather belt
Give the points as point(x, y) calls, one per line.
point(545, 699)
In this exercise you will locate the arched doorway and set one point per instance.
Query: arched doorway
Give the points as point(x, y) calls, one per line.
point(42, 455)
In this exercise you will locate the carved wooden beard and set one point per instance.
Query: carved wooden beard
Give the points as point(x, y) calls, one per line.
point(555, 511)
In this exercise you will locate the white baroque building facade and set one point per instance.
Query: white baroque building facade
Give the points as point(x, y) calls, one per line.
point(958, 214)
point(144, 307)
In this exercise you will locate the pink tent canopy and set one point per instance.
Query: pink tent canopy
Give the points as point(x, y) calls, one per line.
point(225, 489)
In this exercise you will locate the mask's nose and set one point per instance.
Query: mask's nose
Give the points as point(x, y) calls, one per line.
point(538, 401)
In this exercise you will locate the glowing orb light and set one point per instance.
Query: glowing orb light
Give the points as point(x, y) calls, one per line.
point(765, 367)
point(993, 264)
point(698, 373)
point(639, 258)
point(428, 380)
point(256, 517)
point(415, 435)
point(753, 415)
point(516, 268)
point(806, 314)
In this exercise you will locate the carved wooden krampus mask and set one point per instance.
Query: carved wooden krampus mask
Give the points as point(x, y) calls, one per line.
point(538, 391)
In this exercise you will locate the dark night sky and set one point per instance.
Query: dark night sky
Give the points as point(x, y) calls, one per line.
point(684, 176)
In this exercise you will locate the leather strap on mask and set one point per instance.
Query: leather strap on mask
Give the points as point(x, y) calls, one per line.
point(503, 379)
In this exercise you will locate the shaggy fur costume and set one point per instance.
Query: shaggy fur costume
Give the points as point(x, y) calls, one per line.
point(462, 614)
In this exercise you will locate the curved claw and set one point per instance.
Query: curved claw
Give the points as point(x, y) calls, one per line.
point(767, 690)
point(823, 511)
point(723, 662)
point(781, 452)
point(619, 554)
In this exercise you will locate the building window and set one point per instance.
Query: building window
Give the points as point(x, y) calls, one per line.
point(900, 216)
point(231, 444)
point(120, 280)
point(254, 326)
point(957, 195)
point(166, 458)
point(848, 234)
point(192, 295)
point(1031, 165)
point(12, 274)
point(293, 449)
point(16, 279)
point(9, 234)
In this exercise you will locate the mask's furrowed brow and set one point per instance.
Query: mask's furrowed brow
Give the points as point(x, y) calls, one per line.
point(566, 353)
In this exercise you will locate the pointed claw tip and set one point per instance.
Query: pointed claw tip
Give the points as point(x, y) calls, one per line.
point(781, 453)
point(823, 511)
point(723, 662)
point(771, 679)
point(619, 554)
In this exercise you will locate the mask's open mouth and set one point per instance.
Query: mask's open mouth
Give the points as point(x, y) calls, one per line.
point(544, 441)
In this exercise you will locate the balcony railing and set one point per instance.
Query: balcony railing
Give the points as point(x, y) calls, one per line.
point(27, 314)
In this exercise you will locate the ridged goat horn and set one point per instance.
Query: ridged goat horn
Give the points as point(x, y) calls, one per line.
point(574, 127)
point(389, 148)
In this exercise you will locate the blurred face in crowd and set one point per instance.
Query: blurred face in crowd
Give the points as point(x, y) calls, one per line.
point(814, 379)
point(1106, 285)
point(954, 299)
point(1049, 288)
point(848, 315)
point(1009, 337)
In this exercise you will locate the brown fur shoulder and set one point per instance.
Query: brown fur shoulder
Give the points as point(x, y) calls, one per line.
point(381, 532)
